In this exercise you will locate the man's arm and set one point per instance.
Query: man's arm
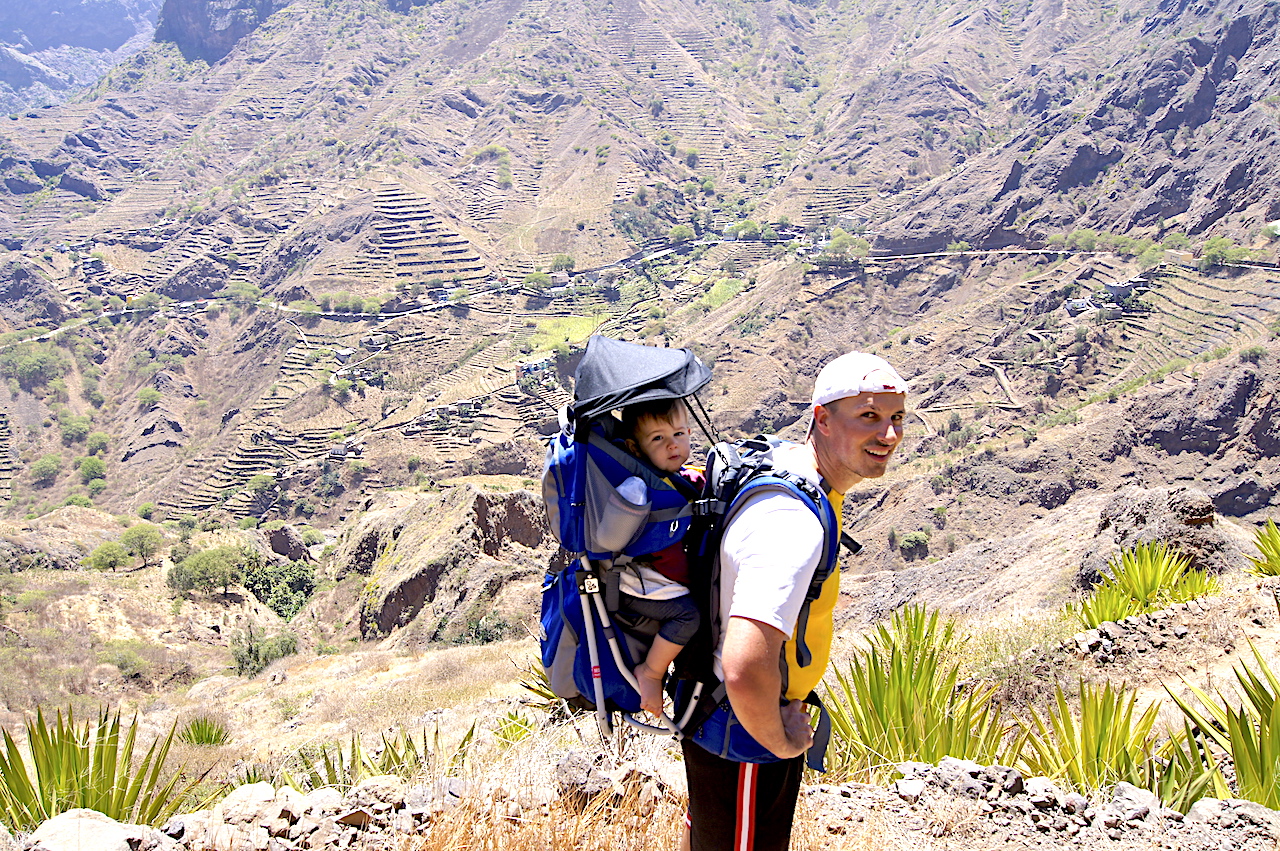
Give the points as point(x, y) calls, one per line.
point(753, 683)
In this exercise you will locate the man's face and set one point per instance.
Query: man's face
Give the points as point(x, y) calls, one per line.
point(855, 436)
point(664, 442)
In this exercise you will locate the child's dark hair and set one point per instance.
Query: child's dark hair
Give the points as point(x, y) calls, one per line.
point(658, 409)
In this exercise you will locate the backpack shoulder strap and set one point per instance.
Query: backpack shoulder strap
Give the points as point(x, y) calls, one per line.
point(816, 501)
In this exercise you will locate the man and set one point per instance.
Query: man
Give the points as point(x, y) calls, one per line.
point(768, 556)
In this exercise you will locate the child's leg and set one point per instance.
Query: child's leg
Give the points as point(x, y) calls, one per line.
point(679, 621)
point(650, 672)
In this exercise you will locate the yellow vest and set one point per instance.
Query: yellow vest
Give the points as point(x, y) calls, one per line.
point(818, 632)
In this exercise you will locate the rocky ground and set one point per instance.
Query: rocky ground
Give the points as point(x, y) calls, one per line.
point(956, 804)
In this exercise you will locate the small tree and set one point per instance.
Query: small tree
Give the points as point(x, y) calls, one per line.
point(97, 442)
point(148, 397)
point(537, 280)
point(841, 243)
point(680, 233)
point(46, 469)
point(91, 467)
point(209, 569)
point(142, 540)
point(108, 556)
point(562, 263)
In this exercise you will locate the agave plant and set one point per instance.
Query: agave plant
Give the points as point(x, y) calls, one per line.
point(1144, 579)
point(1186, 770)
point(332, 765)
point(1106, 743)
point(89, 765)
point(1267, 540)
point(1106, 603)
point(1250, 733)
point(203, 730)
point(898, 700)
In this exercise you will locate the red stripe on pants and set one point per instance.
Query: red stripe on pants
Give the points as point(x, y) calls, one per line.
point(745, 837)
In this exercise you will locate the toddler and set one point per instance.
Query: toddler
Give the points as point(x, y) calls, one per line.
point(653, 586)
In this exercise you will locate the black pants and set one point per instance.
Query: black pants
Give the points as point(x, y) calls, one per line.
point(740, 806)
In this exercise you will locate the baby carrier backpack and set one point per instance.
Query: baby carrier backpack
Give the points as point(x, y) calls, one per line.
point(588, 659)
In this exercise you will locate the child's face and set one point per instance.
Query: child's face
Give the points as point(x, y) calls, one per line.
point(664, 442)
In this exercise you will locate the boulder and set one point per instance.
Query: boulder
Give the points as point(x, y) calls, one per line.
point(80, 830)
point(384, 789)
point(323, 801)
point(286, 541)
point(1182, 517)
point(1130, 803)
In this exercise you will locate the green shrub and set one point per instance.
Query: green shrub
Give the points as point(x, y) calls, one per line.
point(1252, 354)
point(46, 469)
point(914, 544)
point(252, 652)
point(283, 588)
point(1267, 540)
point(209, 569)
point(108, 556)
point(33, 365)
point(74, 428)
point(96, 443)
point(91, 467)
point(125, 658)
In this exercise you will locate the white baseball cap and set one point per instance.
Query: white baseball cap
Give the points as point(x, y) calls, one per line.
point(855, 373)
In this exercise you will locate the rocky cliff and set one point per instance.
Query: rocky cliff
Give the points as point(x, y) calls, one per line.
point(1180, 133)
point(208, 29)
point(463, 565)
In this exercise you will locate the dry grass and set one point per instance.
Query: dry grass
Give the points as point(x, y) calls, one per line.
point(1008, 651)
point(604, 824)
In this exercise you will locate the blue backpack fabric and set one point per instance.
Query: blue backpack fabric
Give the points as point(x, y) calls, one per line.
point(565, 649)
point(583, 469)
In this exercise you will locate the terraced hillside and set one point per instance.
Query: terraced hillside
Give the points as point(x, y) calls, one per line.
point(319, 251)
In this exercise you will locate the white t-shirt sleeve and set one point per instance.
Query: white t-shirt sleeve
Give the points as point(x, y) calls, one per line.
point(768, 555)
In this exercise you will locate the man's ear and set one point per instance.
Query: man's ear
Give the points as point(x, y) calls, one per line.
point(631, 446)
point(821, 416)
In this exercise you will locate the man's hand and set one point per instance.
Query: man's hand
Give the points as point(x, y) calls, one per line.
point(799, 730)
point(753, 682)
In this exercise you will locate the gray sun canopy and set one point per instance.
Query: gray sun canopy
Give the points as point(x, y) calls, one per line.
point(613, 374)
